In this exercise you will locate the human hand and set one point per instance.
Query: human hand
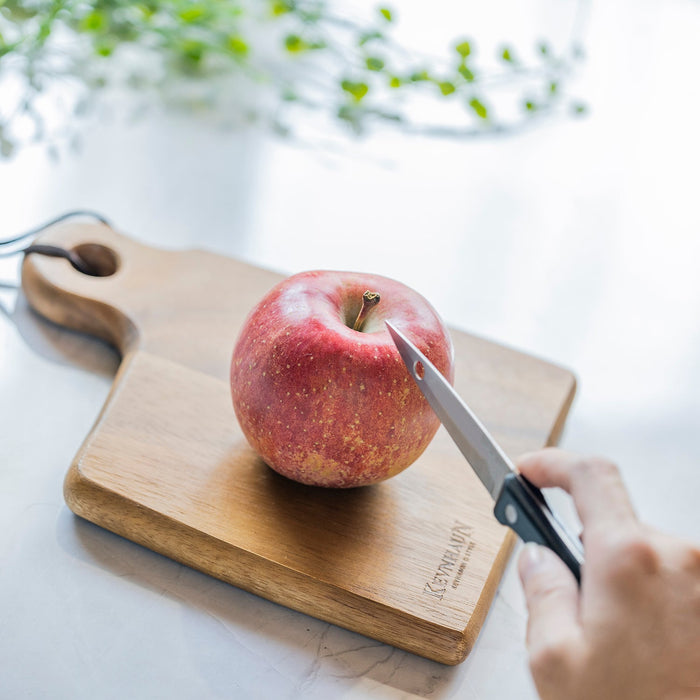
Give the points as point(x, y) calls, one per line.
point(632, 631)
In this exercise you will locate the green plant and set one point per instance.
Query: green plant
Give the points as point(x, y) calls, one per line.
point(302, 54)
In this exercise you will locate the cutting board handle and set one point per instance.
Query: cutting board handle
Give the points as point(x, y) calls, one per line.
point(96, 303)
point(182, 305)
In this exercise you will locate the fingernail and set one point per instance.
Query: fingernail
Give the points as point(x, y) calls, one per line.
point(531, 558)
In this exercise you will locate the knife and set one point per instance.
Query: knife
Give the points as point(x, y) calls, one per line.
point(518, 503)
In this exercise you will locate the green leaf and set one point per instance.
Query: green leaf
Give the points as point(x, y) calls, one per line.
point(446, 87)
point(386, 13)
point(530, 106)
point(553, 88)
point(193, 13)
point(463, 49)
point(6, 48)
point(465, 72)
point(236, 45)
point(145, 9)
point(345, 113)
point(479, 108)
point(369, 36)
point(352, 116)
point(374, 63)
point(294, 43)
point(543, 48)
point(94, 21)
point(506, 55)
point(19, 12)
point(104, 49)
point(279, 7)
point(357, 90)
point(193, 50)
point(579, 109)
point(419, 76)
point(394, 82)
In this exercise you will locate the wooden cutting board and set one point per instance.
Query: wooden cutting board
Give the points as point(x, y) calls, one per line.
point(413, 561)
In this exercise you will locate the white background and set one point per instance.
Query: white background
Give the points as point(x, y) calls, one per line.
point(577, 241)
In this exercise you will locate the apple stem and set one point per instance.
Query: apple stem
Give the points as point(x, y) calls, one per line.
point(369, 300)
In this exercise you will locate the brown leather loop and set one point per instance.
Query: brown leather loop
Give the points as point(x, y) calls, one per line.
point(57, 252)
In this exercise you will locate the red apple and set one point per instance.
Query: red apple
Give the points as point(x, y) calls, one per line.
point(328, 405)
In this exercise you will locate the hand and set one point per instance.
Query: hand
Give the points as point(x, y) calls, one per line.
point(632, 631)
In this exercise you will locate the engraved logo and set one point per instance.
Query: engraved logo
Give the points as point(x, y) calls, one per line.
point(453, 563)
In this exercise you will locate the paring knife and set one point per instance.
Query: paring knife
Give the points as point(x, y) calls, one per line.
point(518, 504)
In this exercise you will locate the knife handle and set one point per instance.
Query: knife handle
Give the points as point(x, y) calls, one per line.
point(522, 507)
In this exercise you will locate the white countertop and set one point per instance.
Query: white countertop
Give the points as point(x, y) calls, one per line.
point(578, 241)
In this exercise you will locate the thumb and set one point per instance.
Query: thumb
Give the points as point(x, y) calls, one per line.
point(552, 598)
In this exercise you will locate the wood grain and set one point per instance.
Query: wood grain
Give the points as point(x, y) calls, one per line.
point(413, 561)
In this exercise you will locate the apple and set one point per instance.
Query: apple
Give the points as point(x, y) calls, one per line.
point(319, 388)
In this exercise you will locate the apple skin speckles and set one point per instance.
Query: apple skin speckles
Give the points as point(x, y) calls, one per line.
point(324, 404)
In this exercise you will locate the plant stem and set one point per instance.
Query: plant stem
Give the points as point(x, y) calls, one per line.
point(369, 300)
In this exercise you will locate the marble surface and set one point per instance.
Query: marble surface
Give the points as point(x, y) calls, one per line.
point(578, 242)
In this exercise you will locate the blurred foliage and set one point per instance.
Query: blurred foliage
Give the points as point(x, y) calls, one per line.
point(304, 52)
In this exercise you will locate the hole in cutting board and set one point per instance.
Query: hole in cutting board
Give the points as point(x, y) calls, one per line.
point(100, 260)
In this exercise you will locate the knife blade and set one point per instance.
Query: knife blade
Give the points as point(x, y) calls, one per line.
point(518, 504)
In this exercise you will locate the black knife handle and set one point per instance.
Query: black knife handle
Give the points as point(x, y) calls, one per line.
point(523, 508)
